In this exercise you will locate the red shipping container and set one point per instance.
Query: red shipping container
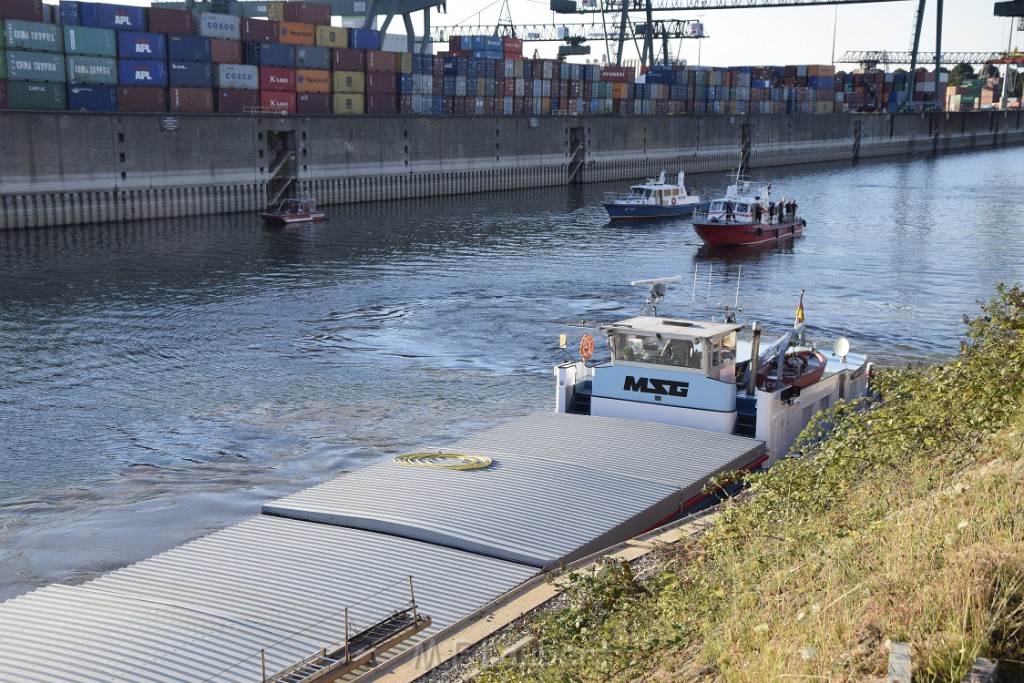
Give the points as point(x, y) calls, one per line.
point(278, 79)
point(513, 47)
point(163, 20)
point(379, 60)
point(230, 101)
point(28, 10)
point(141, 99)
point(282, 102)
point(348, 59)
point(313, 103)
point(259, 30)
point(308, 12)
point(380, 83)
point(382, 103)
point(3, 94)
point(225, 51)
point(190, 100)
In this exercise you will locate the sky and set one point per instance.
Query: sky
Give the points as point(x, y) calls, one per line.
point(773, 36)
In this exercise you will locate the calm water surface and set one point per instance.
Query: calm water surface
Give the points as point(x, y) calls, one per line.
point(163, 379)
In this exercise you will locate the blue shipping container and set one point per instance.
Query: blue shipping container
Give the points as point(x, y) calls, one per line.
point(133, 45)
point(364, 39)
point(270, 54)
point(312, 57)
point(92, 97)
point(188, 49)
point(121, 17)
point(142, 72)
point(89, 14)
point(190, 74)
point(69, 15)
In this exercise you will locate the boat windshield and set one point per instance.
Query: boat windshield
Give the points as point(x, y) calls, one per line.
point(632, 347)
point(639, 192)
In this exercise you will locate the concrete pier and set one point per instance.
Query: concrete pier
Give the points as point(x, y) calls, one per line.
point(71, 168)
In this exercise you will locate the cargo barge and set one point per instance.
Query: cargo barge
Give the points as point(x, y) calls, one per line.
point(125, 113)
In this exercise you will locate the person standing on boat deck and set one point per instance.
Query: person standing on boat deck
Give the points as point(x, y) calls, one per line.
point(757, 212)
point(728, 212)
point(794, 209)
point(771, 213)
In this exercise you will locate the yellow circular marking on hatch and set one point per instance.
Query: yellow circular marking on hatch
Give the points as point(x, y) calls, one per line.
point(445, 461)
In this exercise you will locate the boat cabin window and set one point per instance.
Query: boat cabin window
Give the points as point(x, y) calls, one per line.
point(639, 348)
point(723, 358)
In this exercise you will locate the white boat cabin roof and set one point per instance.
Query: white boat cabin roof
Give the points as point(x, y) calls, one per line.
point(673, 327)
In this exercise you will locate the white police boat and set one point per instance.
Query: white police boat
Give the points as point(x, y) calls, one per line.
point(714, 376)
point(655, 198)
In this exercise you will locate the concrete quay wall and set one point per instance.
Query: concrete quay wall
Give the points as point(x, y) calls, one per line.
point(69, 168)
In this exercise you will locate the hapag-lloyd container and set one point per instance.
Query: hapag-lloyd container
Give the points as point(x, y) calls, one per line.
point(236, 76)
point(269, 54)
point(120, 17)
point(226, 26)
point(91, 97)
point(36, 95)
point(190, 100)
point(275, 78)
point(92, 70)
point(35, 66)
point(188, 49)
point(142, 72)
point(235, 101)
point(32, 35)
point(259, 30)
point(171, 21)
point(190, 74)
point(225, 51)
point(295, 33)
point(308, 57)
point(135, 45)
point(312, 80)
point(280, 101)
point(141, 99)
point(27, 10)
point(86, 40)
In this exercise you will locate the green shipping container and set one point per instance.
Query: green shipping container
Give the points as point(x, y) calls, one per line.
point(93, 70)
point(3, 65)
point(35, 66)
point(33, 35)
point(86, 40)
point(28, 95)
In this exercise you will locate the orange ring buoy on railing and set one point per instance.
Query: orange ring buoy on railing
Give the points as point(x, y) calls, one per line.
point(587, 346)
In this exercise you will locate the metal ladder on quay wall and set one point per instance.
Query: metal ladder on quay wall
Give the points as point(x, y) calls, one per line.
point(282, 178)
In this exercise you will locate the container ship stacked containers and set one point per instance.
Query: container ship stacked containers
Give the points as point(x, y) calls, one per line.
point(106, 57)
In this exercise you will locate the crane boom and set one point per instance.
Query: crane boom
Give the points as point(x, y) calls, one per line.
point(614, 6)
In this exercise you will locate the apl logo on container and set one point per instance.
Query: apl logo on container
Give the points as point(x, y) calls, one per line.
point(143, 46)
point(122, 19)
point(143, 74)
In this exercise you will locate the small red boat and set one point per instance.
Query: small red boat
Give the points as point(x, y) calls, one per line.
point(747, 215)
point(799, 369)
point(294, 210)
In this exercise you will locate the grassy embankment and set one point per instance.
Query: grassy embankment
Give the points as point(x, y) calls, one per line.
point(905, 525)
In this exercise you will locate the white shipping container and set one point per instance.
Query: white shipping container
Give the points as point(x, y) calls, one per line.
point(224, 26)
point(236, 76)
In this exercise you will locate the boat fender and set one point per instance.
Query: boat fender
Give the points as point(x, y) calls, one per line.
point(759, 231)
point(803, 223)
point(587, 346)
point(776, 232)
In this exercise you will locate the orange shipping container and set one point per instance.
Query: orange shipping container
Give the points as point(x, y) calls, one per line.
point(296, 33)
point(312, 80)
point(331, 36)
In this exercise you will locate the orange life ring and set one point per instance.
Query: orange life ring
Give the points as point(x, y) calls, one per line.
point(587, 346)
